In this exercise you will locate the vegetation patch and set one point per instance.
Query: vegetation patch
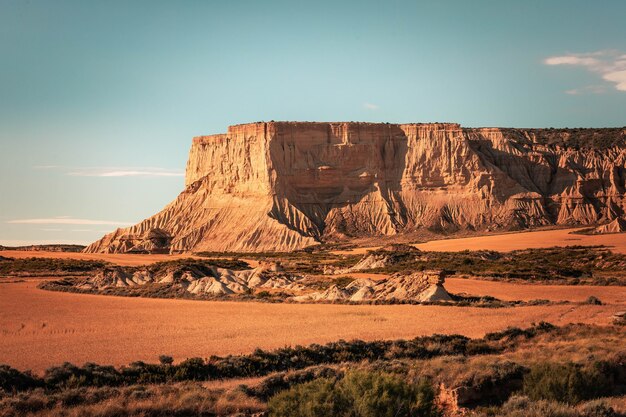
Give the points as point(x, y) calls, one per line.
point(48, 266)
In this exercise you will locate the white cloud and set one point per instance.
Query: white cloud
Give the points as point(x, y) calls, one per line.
point(69, 220)
point(617, 77)
point(571, 60)
point(589, 89)
point(125, 172)
point(609, 65)
point(370, 106)
point(115, 171)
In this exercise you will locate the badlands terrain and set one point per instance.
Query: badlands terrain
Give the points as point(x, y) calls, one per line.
point(44, 325)
point(41, 328)
point(476, 271)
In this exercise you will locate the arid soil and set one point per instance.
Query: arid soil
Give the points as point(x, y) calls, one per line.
point(525, 292)
point(515, 241)
point(116, 258)
point(42, 328)
point(528, 240)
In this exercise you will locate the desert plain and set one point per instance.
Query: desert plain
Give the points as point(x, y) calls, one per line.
point(42, 328)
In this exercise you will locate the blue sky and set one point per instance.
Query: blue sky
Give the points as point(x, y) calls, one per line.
point(99, 100)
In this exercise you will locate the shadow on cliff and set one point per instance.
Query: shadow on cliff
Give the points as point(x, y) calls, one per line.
point(551, 181)
point(341, 188)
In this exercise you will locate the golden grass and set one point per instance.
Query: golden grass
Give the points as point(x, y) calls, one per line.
point(515, 241)
point(527, 240)
point(123, 259)
point(42, 328)
point(523, 291)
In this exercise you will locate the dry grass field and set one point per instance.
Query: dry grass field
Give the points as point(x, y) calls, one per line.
point(116, 258)
point(503, 242)
point(525, 292)
point(515, 241)
point(41, 328)
point(527, 240)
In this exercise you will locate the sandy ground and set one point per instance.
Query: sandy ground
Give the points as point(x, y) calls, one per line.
point(527, 240)
point(515, 241)
point(526, 292)
point(116, 258)
point(42, 328)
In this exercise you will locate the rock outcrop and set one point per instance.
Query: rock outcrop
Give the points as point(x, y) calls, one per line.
point(423, 286)
point(281, 186)
point(616, 226)
point(195, 279)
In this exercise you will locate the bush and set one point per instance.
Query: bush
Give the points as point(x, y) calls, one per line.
point(593, 300)
point(567, 382)
point(12, 380)
point(358, 394)
point(166, 360)
point(519, 406)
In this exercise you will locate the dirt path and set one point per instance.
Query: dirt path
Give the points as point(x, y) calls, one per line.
point(42, 328)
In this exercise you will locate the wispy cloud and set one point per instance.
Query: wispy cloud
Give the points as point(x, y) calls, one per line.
point(589, 89)
point(70, 221)
point(115, 171)
point(126, 172)
point(370, 106)
point(610, 65)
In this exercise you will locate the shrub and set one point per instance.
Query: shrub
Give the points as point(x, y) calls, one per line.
point(593, 300)
point(358, 394)
point(519, 406)
point(13, 380)
point(567, 382)
point(166, 360)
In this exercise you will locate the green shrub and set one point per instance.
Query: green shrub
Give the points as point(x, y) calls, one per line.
point(12, 380)
point(358, 394)
point(567, 382)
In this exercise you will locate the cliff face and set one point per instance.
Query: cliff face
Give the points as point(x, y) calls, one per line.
point(286, 185)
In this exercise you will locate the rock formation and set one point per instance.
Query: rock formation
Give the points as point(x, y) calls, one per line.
point(281, 186)
point(200, 279)
point(423, 286)
point(386, 256)
point(616, 226)
point(196, 279)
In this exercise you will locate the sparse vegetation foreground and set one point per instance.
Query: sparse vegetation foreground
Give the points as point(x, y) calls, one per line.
point(574, 370)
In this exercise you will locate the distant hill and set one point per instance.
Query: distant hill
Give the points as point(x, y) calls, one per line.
point(46, 248)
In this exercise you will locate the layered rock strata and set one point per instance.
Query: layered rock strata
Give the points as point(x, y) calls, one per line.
point(282, 186)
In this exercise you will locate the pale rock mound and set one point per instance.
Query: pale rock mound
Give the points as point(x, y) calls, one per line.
point(196, 279)
point(281, 186)
point(426, 286)
point(616, 226)
point(381, 258)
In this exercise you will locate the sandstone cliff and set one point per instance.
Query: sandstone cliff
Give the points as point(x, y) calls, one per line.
point(281, 186)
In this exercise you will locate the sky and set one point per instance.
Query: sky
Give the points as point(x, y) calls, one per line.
point(99, 100)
